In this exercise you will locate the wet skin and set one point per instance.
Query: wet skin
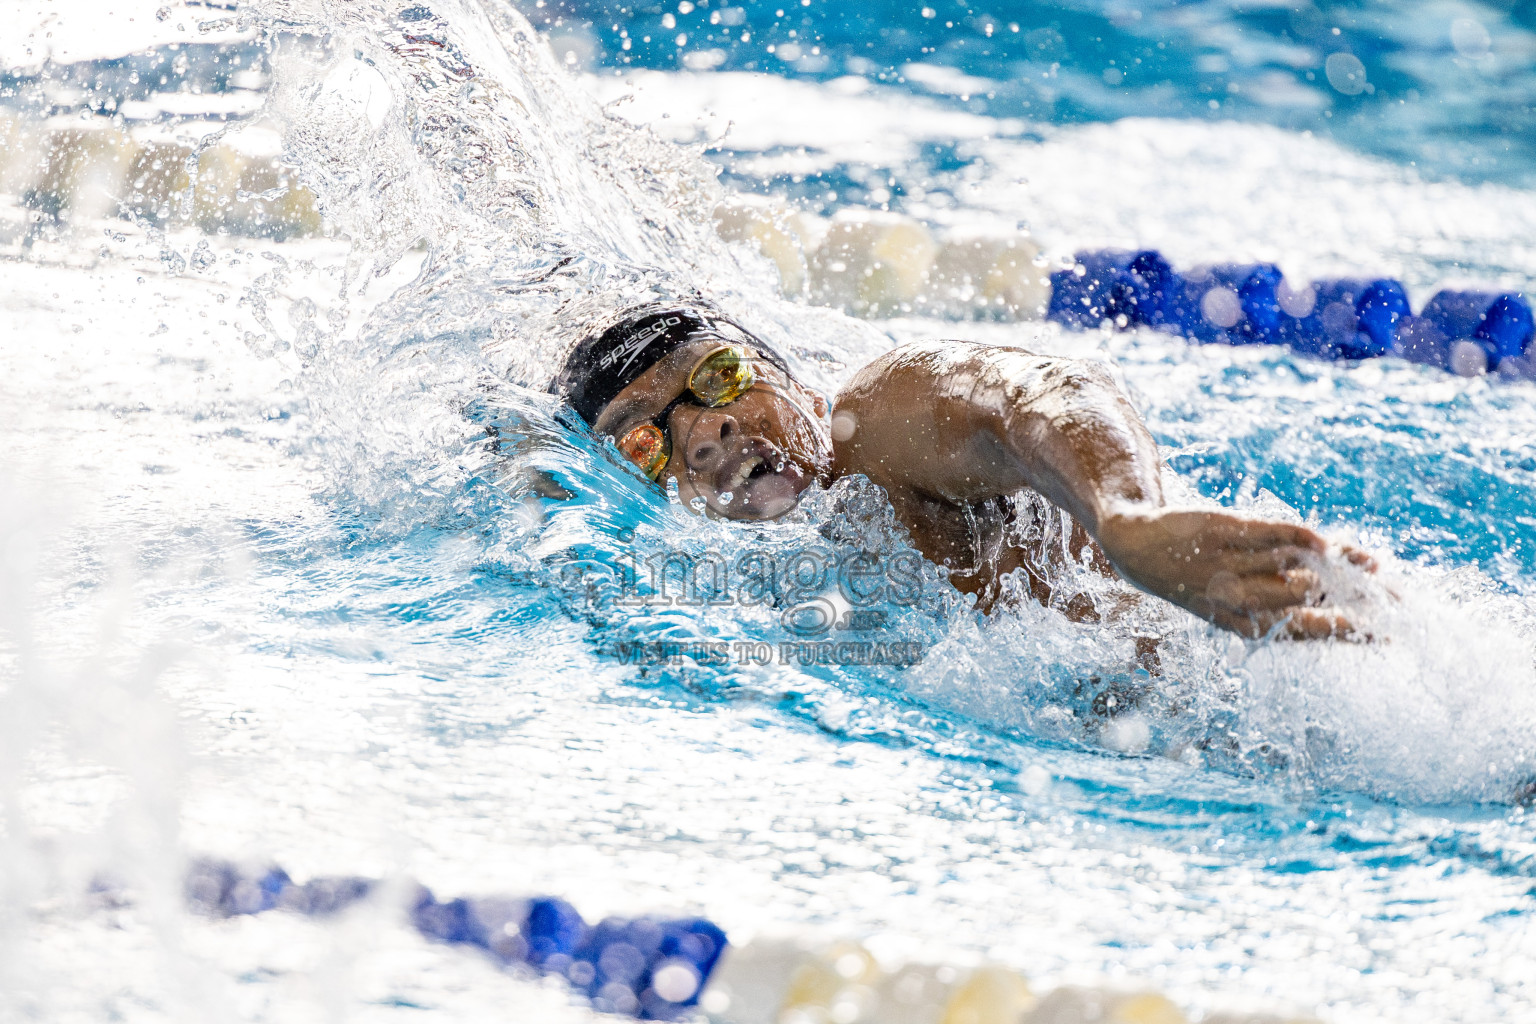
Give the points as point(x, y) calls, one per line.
point(950, 430)
point(749, 459)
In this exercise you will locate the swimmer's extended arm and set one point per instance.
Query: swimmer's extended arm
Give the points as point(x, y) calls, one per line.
point(955, 423)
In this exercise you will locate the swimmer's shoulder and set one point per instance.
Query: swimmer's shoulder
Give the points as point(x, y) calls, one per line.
point(933, 367)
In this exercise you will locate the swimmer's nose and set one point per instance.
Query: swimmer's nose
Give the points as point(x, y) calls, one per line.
point(709, 439)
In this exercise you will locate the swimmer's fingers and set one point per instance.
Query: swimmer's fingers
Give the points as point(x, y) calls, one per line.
point(1365, 563)
point(1269, 560)
point(1263, 535)
point(1300, 564)
point(1189, 534)
point(1359, 559)
point(1322, 624)
point(1294, 624)
point(1261, 592)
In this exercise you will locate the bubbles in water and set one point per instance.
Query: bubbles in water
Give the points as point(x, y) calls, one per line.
point(174, 263)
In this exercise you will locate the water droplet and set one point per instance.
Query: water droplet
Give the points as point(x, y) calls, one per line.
point(675, 981)
point(1035, 780)
point(1345, 73)
point(1130, 735)
point(1470, 38)
point(1297, 302)
point(1221, 307)
point(259, 344)
point(1467, 359)
point(301, 312)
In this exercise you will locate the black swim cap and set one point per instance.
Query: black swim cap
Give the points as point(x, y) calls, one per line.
point(602, 365)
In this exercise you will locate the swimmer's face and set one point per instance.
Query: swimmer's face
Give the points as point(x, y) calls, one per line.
point(749, 459)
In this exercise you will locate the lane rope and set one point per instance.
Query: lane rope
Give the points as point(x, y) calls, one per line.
point(649, 968)
point(1466, 332)
point(656, 968)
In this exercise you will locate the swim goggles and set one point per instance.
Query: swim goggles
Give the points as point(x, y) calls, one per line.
point(719, 378)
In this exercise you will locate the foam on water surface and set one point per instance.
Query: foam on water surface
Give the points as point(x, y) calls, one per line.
point(270, 592)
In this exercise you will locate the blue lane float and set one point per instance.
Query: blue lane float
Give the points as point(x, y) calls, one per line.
point(1342, 319)
point(648, 968)
point(1231, 305)
point(1253, 304)
point(1140, 286)
point(1498, 325)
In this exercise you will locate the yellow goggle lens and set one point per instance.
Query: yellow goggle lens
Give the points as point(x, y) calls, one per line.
point(722, 377)
point(646, 447)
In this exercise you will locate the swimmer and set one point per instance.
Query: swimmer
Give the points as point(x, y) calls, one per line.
point(951, 431)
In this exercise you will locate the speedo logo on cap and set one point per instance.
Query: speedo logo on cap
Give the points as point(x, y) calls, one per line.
point(638, 344)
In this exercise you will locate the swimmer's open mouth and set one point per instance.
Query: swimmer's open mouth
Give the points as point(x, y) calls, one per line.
point(761, 481)
point(751, 468)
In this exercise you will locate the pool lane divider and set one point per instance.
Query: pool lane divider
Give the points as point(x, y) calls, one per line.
point(1466, 332)
point(868, 263)
point(649, 968)
point(874, 264)
point(657, 968)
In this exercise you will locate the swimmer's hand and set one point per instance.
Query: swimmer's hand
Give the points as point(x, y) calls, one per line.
point(1245, 575)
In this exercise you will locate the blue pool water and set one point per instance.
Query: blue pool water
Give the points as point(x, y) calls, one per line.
point(1444, 87)
point(273, 593)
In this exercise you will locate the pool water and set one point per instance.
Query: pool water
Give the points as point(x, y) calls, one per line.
point(272, 592)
